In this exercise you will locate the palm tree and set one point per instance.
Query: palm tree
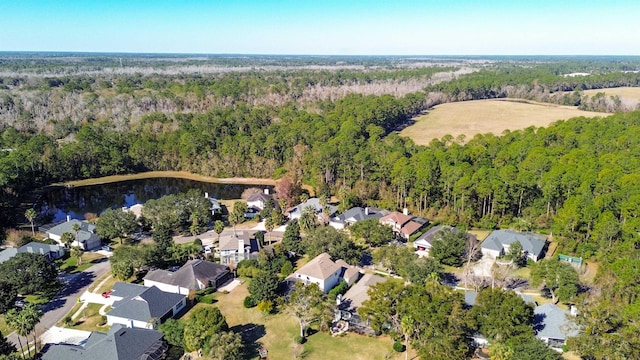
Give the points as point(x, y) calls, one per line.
point(218, 227)
point(408, 327)
point(32, 314)
point(67, 238)
point(15, 320)
point(76, 227)
point(77, 252)
point(31, 215)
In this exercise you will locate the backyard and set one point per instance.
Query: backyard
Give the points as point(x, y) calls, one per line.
point(276, 333)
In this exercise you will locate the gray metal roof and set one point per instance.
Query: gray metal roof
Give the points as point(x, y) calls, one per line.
point(142, 303)
point(188, 275)
point(552, 322)
point(531, 243)
point(120, 343)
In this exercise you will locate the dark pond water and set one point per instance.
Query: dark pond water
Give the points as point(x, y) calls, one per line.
point(76, 202)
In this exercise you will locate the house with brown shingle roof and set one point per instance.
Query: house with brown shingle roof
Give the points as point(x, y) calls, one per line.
point(402, 223)
point(325, 272)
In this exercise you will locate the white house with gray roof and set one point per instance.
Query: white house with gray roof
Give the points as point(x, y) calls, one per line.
point(120, 343)
point(553, 325)
point(498, 242)
point(138, 306)
point(314, 203)
point(326, 273)
point(86, 238)
point(51, 252)
point(354, 215)
point(194, 275)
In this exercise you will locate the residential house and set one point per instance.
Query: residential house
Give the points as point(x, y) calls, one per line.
point(326, 273)
point(135, 209)
point(403, 224)
point(314, 203)
point(215, 204)
point(138, 306)
point(553, 325)
point(424, 243)
point(354, 215)
point(259, 200)
point(51, 252)
point(498, 242)
point(236, 247)
point(477, 338)
point(194, 275)
point(349, 303)
point(86, 238)
point(120, 343)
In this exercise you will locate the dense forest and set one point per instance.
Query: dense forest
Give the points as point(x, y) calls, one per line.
point(578, 179)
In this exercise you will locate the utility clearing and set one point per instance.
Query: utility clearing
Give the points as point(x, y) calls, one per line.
point(470, 118)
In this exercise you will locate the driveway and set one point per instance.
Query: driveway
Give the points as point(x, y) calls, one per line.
point(66, 298)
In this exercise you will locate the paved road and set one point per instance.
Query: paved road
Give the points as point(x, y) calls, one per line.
point(62, 303)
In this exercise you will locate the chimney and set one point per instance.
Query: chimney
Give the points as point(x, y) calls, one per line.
point(405, 211)
point(241, 246)
point(366, 211)
point(68, 218)
point(266, 191)
point(206, 194)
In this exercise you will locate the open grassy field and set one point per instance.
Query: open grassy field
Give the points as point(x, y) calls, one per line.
point(622, 92)
point(276, 333)
point(487, 116)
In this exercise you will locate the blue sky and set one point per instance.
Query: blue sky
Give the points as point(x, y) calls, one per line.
point(492, 27)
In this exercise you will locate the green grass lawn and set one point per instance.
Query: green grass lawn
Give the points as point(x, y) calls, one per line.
point(4, 328)
point(69, 264)
point(89, 319)
point(276, 333)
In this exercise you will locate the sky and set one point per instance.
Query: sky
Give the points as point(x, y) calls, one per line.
point(340, 27)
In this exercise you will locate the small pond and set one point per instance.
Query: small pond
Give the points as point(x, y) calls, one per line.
point(75, 202)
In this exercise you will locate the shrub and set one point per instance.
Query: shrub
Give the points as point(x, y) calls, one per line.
point(398, 346)
point(197, 241)
point(299, 339)
point(266, 306)
point(249, 302)
point(340, 289)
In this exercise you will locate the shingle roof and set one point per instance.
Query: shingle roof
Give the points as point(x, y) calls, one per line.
point(142, 303)
point(119, 343)
point(320, 267)
point(349, 270)
point(410, 227)
point(33, 247)
point(7, 254)
point(67, 226)
point(315, 204)
point(230, 242)
point(531, 243)
point(356, 214)
point(188, 275)
point(552, 322)
point(259, 197)
point(357, 294)
point(397, 218)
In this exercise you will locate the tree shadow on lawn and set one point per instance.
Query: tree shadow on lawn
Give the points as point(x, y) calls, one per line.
point(250, 333)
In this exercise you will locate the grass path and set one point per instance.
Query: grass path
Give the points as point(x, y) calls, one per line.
point(168, 174)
